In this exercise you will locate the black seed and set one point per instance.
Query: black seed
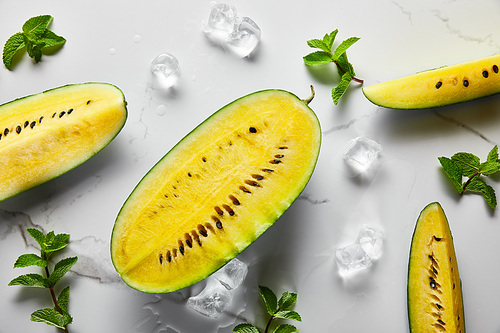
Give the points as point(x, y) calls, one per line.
point(439, 306)
point(33, 123)
point(188, 242)
point(218, 210)
point(161, 259)
point(18, 129)
point(258, 177)
point(466, 83)
point(437, 238)
point(453, 285)
point(234, 200)
point(5, 132)
point(275, 161)
point(26, 123)
point(228, 209)
point(441, 322)
point(169, 256)
point(189, 174)
point(0, 136)
point(283, 147)
point(439, 84)
point(203, 233)
point(62, 114)
point(279, 155)
point(40, 120)
point(88, 102)
point(244, 189)
point(181, 248)
point(434, 270)
point(495, 69)
point(218, 224)
point(252, 130)
point(70, 110)
point(268, 170)
point(252, 183)
point(54, 114)
point(204, 159)
point(485, 74)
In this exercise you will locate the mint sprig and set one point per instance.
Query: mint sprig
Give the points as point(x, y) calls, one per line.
point(36, 38)
point(57, 316)
point(466, 165)
point(326, 54)
point(277, 309)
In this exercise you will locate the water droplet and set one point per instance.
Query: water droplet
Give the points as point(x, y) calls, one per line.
point(137, 39)
point(161, 110)
point(112, 51)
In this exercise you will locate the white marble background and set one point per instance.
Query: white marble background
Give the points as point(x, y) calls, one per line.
point(115, 41)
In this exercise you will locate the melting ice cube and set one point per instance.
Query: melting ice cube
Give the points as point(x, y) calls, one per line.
point(211, 301)
point(240, 34)
point(361, 154)
point(166, 70)
point(371, 241)
point(352, 258)
point(232, 274)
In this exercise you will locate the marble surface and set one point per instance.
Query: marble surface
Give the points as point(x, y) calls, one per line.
point(115, 42)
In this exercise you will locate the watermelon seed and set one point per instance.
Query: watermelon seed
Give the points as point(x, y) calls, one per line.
point(437, 238)
point(70, 110)
point(196, 237)
point(204, 159)
point(439, 306)
point(88, 102)
point(441, 322)
point(434, 270)
point(169, 256)
point(189, 174)
point(252, 183)
point(279, 155)
point(218, 210)
point(0, 136)
point(432, 283)
point(234, 200)
point(258, 177)
point(5, 132)
point(252, 130)
point(62, 114)
point(283, 147)
point(161, 258)
point(268, 170)
point(18, 129)
point(485, 74)
point(228, 209)
point(244, 189)
point(40, 120)
point(188, 240)
point(54, 114)
point(33, 123)
point(439, 84)
point(181, 248)
point(26, 123)
point(466, 83)
point(275, 161)
point(495, 69)
point(218, 224)
point(202, 230)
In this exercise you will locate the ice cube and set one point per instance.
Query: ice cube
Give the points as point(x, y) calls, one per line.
point(371, 241)
point(245, 37)
point(212, 300)
point(221, 22)
point(232, 274)
point(361, 154)
point(352, 258)
point(166, 70)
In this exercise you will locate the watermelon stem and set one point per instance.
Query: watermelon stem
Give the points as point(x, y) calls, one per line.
point(310, 98)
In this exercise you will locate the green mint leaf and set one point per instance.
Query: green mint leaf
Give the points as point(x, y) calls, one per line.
point(285, 328)
point(37, 25)
point(60, 269)
point(318, 58)
point(13, 45)
point(37, 235)
point(468, 162)
point(478, 185)
point(245, 328)
point(51, 317)
point(341, 88)
point(488, 168)
point(287, 300)
point(342, 48)
point(493, 155)
point(318, 44)
point(344, 66)
point(270, 299)
point(288, 314)
point(453, 171)
point(56, 242)
point(26, 260)
point(63, 299)
point(50, 39)
point(30, 280)
point(328, 39)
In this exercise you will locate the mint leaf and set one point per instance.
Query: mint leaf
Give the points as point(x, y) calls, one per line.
point(37, 25)
point(318, 58)
point(26, 260)
point(341, 88)
point(51, 317)
point(37, 235)
point(328, 39)
point(50, 39)
point(270, 299)
point(287, 300)
point(30, 280)
point(478, 185)
point(468, 162)
point(285, 328)
point(342, 48)
point(245, 328)
point(13, 45)
point(63, 299)
point(288, 314)
point(319, 44)
point(453, 171)
point(56, 242)
point(60, 269)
